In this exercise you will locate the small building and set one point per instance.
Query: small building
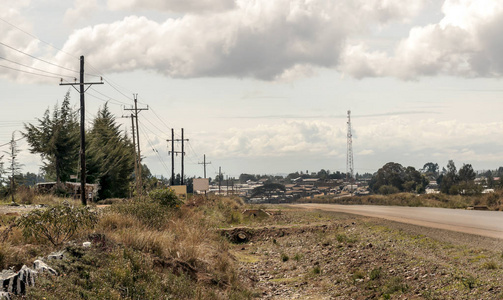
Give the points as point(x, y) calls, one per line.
point(72, 188)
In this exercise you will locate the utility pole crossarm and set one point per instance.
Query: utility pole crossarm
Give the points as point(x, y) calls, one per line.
point(138, 154)
point(82, 92)
point(173, 153)
point(204, 163)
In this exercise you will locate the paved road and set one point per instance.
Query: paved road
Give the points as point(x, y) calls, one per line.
point(484, 223)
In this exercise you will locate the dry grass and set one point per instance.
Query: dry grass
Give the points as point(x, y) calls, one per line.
point(173, 253)
point(493, 200)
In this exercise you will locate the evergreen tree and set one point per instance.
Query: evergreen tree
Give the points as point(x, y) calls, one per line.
point(449, 181)
point(110, 156)
point(56, 139)
point(14, 166)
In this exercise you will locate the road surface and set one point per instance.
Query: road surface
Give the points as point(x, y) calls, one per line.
point(484, 223)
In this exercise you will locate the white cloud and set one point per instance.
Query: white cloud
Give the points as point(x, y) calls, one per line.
point(287, 39)
point(192, 6)
point(392, 139)
point(13, 38)
point(366, 152)
point(284, 139)
point(81, 11)
point(261, 39)
point(466, 42)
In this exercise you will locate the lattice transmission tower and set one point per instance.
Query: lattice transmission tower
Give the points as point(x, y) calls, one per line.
point(349, 157)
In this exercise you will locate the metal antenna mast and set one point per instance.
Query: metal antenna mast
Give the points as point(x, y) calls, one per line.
point(349, 158)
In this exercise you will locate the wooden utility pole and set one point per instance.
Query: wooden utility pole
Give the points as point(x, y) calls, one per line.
point(82, 92)
point(172, 156)
point(173, 153)
point(138, 157)
point(219, 180)
point(204, 163)
point(183, 154)
point(135, 155)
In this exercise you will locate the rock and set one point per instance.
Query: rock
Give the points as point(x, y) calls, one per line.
point(56, 255)
point(16, 282)
point(86, 244)
point(42, 267)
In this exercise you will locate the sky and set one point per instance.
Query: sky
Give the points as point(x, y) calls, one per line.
point(264, 87)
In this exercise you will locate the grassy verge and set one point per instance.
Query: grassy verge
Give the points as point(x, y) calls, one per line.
point(140, 250)
point(493, 201)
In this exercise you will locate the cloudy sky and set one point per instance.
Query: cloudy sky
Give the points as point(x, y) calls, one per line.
point(264, 86)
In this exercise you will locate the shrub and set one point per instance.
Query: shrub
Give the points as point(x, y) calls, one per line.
point(358, 275)
point(284, 257)
point(151, 214)
point(469, 281)
point(166, 197)
point(57, 224)
point(375, 273)
point(388, 190)
point(490, 265)
point(395, 284)
point(26, 195)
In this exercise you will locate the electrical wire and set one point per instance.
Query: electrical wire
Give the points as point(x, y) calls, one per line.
point(193, 151)
point(111, 98)
point(40, 70)
point(150, 130)
point(28, 72)
point(109, 82)
point(35, 37)
point(113, 84)
point(42, 60)
point(158, 156)
point(160, 130)
point(153, 149)
point(162, 121)
point(17, 140)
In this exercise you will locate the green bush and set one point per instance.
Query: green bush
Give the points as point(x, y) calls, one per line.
point(166, 197)
point(57, 224)
point(375, 273)
point(388, 190)
point(150, 213)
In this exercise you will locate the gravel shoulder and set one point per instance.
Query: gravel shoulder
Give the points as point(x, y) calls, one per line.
point(19, 209)
point(312, 254)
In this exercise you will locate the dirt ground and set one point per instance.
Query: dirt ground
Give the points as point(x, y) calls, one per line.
point(295, 254)
point(16, 210)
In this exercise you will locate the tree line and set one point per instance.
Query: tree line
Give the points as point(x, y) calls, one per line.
point(394, 178)
point(109, 157)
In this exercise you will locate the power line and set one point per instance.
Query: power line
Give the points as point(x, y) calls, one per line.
point(6, 144)
point(108, 81)
point(28, 72)
point(162, 121)
point(160, 130)
point(35, 37)
point(42, 60)
point(110, 99)
point(20, 64)
point(193, 151)
point(157, 154)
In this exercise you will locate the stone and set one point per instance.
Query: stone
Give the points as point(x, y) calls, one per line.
point(86, 244)
point(42, 267)
point(56, 255)
point(16, 282)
